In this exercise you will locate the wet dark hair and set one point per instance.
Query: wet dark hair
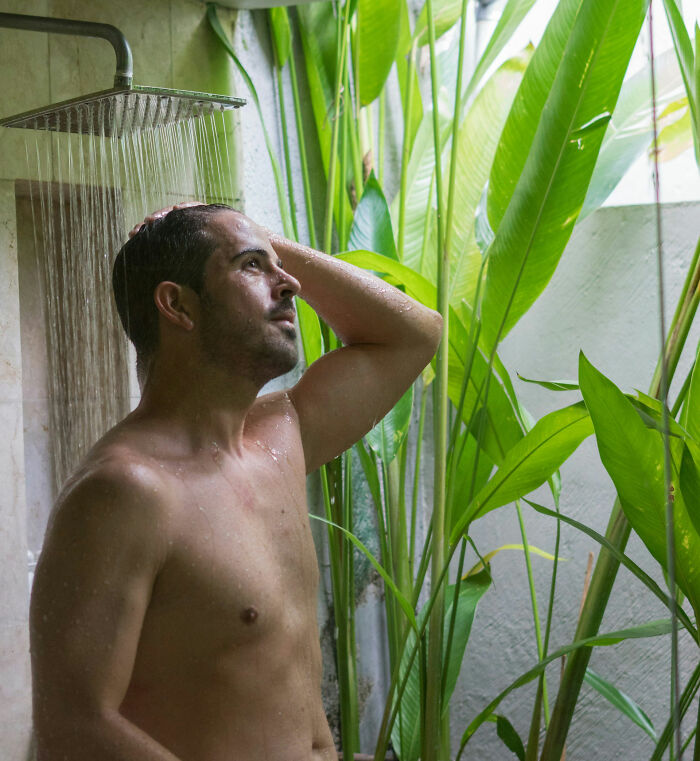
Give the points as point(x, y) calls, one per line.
point(176, 248)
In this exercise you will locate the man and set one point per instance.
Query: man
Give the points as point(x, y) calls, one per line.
point(173, 614)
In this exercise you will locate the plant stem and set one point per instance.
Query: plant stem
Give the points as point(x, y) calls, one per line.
point(406, 151)
point(308, 201)
point(332, 159)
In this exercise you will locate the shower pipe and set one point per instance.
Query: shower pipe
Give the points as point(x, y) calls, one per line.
point(125, 67)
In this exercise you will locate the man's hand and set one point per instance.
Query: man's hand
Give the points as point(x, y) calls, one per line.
point(161, 213)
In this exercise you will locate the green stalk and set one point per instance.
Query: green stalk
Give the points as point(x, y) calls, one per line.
point(406, 153)
point(331, 189)
point(308, 201)
point(432, 740)
point(380, 144)
point(533, 600)
point(686, 701)
point(285, 139)
point(617, 533)
point(416, 480)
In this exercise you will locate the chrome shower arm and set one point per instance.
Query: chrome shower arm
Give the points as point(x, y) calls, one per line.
point(125, 67)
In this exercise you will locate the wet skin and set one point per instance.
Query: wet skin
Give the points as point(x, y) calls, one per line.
point(173, 613)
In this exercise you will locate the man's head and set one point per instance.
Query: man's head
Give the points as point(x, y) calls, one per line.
point(197, 251)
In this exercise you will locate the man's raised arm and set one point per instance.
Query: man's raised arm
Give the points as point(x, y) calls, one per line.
point(388, 339)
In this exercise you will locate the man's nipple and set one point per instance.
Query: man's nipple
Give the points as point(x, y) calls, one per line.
point(249, 615)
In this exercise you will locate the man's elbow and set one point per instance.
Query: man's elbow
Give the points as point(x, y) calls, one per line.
point(431, 331)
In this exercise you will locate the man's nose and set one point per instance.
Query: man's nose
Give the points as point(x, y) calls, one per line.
point(286, 286)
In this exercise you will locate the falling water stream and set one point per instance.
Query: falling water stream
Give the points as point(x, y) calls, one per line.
point(89, 190)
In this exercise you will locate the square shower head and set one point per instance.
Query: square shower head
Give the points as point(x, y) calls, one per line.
point(121, 111)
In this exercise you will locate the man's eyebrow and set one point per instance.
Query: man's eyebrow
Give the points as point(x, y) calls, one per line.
point(260, 251)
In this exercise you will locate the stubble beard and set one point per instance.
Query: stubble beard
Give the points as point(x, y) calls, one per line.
point(261, 351)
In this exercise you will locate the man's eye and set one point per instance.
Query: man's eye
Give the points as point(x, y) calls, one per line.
point(252, 263)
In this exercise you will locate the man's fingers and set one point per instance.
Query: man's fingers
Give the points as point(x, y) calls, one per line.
point(161, 213)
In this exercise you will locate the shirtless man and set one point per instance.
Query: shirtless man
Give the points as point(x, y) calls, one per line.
point(173, 615)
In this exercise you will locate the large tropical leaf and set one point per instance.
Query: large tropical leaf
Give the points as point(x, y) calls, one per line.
point(530, 462)
point(377, 37)
point(690, 417)
point(630, 131)
point(543, 165)
point(317, 28)
point(633, 455)
point(477, 140)
point(406, 731)
point(509, 20)
point(371, 227)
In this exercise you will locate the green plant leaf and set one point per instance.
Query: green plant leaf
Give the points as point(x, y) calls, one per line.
point(689, 479)
point(690, 417)
point(281, 33)
point(387, 436)
point(621, 701)
point(310, 330)
point(446, 14)
point(530, 462)
point(378, 23)
point(371, 228)
point(406, 731)
point(509, 20)
point(686, 62)
point(633, 455)
point(477, 140)
point(282, 200)
point(488, 557)
point(542, 169)
point(403, 602)
point(317, 30)
point(630, 130)
point(558, 385)
point(651, 629)
point(676, 134)
point(507, 734)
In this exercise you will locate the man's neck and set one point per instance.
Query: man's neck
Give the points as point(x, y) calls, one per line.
point(208, 404)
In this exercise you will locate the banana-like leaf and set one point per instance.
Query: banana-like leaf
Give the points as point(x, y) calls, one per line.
point(690, 418)
point(282, 200)
point(500, 429)
point(509, 20)
point(477, 140)
point(406, 731)
point(507, 734)
point(378, 24)
point(488, 557)
point(371, 228)
point(446, 14)
point(651, 629)
point(556, 385)
point(630, 131)
point(468, 481)
point(623, 702)
point(310, 330)
point(318, 38)
point(687, 64)
point(633, 455)
point(387, 436)
point(530, 462)
point(281, 33)
point(543, 165)
point(676, 134)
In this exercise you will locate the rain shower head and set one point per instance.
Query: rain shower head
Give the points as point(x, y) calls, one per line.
point(122, 110)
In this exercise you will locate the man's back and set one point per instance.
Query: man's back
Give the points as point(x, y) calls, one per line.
point(227, 663)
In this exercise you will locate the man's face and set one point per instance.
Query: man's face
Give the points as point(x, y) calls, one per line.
point(247, 317)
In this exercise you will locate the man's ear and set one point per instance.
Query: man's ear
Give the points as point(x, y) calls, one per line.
point(176, 303)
